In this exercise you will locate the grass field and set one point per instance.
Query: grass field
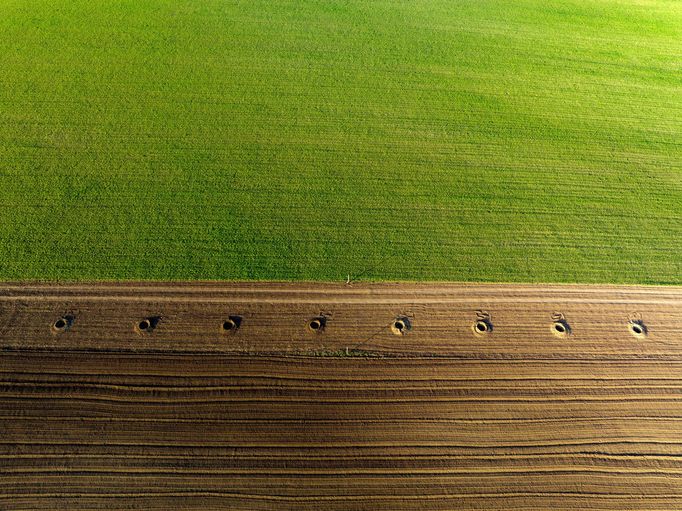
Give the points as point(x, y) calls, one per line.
point(490, 140)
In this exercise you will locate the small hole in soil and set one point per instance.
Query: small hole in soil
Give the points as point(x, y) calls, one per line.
point(148, 324)
point(401, 326)
point(232, 323)
point(638, 328)
point(561, 328)
point(62, 324)
point(317, 324)
point(482, 327)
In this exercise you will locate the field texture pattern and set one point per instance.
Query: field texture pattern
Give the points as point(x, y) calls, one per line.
point(97, 414)
point(529, 140)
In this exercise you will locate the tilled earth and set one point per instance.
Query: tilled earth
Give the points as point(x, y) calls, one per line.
point(340, 397)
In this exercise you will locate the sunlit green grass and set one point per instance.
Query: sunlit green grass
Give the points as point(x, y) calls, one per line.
point(493, 140)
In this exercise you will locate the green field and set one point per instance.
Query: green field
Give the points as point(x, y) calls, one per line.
point(486, 140)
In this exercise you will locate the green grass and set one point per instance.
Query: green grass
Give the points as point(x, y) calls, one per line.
point(487, 140)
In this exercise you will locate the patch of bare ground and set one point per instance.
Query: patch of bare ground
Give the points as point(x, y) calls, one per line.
point(308, 396)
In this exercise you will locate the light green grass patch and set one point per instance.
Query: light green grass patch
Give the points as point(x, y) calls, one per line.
point(428, 139)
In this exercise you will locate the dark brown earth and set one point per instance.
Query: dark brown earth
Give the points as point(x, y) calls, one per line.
point(313, 396)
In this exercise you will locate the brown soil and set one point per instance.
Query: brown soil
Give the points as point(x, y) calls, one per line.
point(267, 415)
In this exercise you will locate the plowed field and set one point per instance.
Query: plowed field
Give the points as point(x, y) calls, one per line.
point(226, 396)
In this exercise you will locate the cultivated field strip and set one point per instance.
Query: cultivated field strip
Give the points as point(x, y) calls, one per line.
point(272, 414)
point(437, 319)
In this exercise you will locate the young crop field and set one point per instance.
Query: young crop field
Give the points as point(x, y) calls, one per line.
point(467, 140)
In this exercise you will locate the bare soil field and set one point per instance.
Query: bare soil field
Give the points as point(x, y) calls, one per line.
point(267, 396)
